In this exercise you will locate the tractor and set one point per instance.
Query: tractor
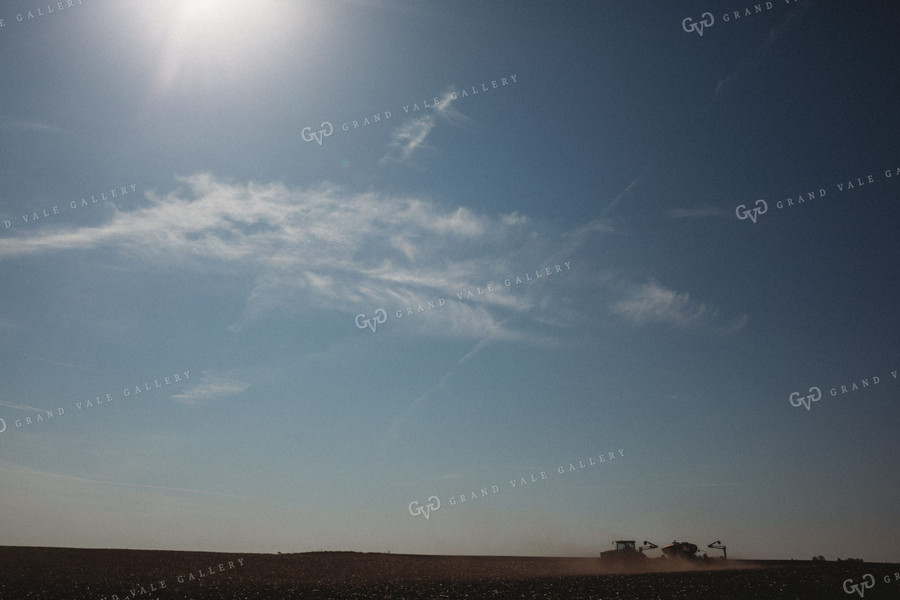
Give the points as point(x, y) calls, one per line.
point(626, 554)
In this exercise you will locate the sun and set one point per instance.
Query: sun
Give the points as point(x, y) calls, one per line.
point(205, 45)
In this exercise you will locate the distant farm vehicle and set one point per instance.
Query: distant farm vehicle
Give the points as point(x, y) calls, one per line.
point(683, 550)
point(626, 554)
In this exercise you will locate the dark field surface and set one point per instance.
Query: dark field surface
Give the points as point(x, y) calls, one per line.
point(75, 574)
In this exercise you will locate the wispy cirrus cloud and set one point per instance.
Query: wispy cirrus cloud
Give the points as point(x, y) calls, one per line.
point(323, 248)
point(212, 386)
point(411, 136)
point(654, 303)
point(333, 249)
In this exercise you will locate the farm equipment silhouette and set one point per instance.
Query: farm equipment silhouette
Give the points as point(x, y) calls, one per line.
point(628, 554)
point(683, 550)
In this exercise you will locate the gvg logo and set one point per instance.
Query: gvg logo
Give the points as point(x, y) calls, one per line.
point(706, 20)
point(815, 394)
point(868, 582)
point(455, 500)
point(415, 509)
point(798, 399)
point(743, 213)
point(373, 322)
point(309, 135)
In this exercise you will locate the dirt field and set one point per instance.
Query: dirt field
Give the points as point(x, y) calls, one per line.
point(75, 574)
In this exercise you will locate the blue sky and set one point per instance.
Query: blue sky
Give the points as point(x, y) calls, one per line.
point(618, 144)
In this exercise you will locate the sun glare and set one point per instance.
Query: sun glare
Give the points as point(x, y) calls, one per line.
point(205, 44)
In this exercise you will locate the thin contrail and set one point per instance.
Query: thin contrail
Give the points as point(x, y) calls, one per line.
point(756, 58)
point(47, 360)
point(137, 485)
point(403, 417)
point(22, 407)
point(625, 192)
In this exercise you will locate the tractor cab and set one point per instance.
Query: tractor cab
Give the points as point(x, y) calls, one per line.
point(626, 552)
